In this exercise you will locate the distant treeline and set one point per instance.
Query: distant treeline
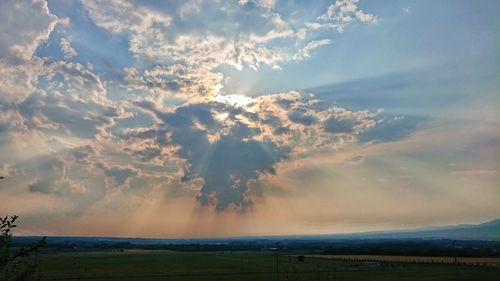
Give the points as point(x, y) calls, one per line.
point(398, 247)
point(430, 248)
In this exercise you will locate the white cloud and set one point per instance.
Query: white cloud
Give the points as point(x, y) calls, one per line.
point(267, 4)
point(23, 26)
point(305, 52)
point(289, 119)
point(60, 109)
point(200, 49)
point(16, 80)
point(199, 53)
point(341, 14)
point(120, 16)
point(66, 48)
point(189, 8)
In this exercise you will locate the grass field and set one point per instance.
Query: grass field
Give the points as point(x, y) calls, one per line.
point(493, 262)
point(167, 265)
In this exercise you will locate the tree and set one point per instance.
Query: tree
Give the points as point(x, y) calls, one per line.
point(17, 265)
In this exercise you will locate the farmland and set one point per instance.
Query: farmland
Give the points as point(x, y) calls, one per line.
point(255, 265)
point(492, 262)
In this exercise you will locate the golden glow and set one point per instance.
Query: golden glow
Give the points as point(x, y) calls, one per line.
point(234, 100)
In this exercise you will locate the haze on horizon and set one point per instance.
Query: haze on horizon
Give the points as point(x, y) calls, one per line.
point(207, 118)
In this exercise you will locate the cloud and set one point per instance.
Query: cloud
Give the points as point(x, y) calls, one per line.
point(391, 128)
point(355, 159)
point(175, 80)
point(305, 52)
point(119, 176)
point(186, 65)
point(56, 180)
point(42, 186)
point(229, 146)
point(75, 102)
point(66, 49)
point(119, 16)
point(341, 14)
point(24, 25)
point(9, 170)
point(477, 172)
point(267, 4)
point(174, 126)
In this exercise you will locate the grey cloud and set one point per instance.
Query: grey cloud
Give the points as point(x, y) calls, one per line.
point(229, 152)
point(42, 186)
point(281, 130)
point(84, 120)
point(336, 125)
point(243, 131)
point(393, 128)
point(51, 173)
point(72, 121)
point(79, 182)
point(83, 110)
point(226, 167)
point(119, 175)
point(183, 116)
point(356, 159)
point(147, 154)
point(226, 164)
point(4, 128)
point(83, 152)
point(299, 116)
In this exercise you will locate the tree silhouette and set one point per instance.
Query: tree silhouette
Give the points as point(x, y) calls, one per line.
point(17, 264)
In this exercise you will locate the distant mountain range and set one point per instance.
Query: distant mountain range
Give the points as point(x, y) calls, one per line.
point(484, 231)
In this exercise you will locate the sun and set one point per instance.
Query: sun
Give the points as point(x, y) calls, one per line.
point(234, 100)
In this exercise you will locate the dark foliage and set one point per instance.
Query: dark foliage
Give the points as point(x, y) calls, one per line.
point(17, 264)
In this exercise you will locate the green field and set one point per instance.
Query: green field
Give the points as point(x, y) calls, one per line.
point(169, 265)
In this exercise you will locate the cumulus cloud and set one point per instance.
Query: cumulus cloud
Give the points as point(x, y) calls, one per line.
point(267, 4)
point(120, 16)
point(190, 60)
point(175, 125)
point(66, 48)
point(228, 145)
point(24, 25)
point(341, 14)
point(74, 103)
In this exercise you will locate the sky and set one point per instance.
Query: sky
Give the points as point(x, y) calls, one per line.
point(210, 118)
